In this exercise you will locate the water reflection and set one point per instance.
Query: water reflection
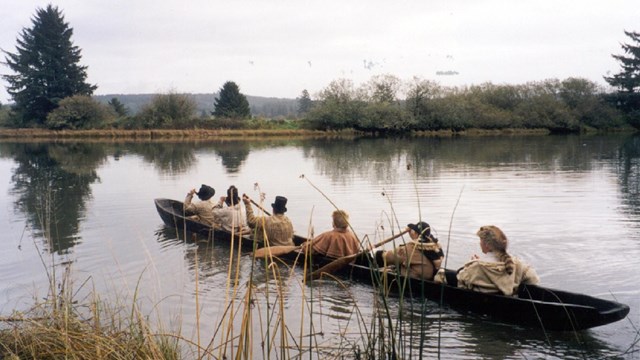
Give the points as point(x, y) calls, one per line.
point(629, 174)
point(168, 157)
point(429, 157)
point(66, 170)
point(428, 329)
point(233, 154)
point(212, 261)
point(51, 183)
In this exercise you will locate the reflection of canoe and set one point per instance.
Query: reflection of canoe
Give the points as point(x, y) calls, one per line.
point(534, 306)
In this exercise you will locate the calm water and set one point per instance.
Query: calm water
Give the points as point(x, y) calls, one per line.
point(570, 206)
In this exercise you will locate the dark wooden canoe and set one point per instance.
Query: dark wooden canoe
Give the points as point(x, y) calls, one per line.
point(173, 215)
point(534, 306)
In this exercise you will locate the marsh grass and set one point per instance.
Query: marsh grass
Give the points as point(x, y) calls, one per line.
point(173, 134)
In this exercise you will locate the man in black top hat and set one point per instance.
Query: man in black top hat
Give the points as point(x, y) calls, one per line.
point(276, 229)
point(202, 210)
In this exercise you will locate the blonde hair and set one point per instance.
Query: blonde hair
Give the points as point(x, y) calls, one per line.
point(340, 219)
point(497, 241)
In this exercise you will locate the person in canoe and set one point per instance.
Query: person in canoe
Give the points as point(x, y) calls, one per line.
point(495, 271)
point(202, 210)
point(276, 228)
point(419, 258)
point(231, 216)
point(338, 242)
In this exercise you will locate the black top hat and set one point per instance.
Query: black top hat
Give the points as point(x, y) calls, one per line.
point(424, 230)
point(205, 192)
point(280, 205)
point(232, 196)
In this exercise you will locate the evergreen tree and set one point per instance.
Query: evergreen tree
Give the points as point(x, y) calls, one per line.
point(627, 81)
point(118, 107)
point(46, 67)
point(304, 102)
point(230, 103)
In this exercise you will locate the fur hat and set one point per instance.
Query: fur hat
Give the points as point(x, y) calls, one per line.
point(494, 237)
point(205, 192)
point(232, 196)
point(340, 219)
point(280, 205)
point(424, 231)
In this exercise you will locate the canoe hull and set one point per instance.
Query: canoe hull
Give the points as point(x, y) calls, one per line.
point(534, 306)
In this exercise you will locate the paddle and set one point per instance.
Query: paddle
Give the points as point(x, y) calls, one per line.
point(276, 250)
point(244, 196)
point(343, 261)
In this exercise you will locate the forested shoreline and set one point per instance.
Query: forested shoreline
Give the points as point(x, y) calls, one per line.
point(50, 91)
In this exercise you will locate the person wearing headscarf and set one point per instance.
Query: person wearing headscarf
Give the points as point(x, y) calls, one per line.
point(203, 209)
point(338, 242)
point(231, 216)
point(276, 229)
point(420, 257)
point(495, 270)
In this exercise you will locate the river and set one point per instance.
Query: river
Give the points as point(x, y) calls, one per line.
point(570, 206)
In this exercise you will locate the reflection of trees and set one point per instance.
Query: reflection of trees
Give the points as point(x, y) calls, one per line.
point(175, 157)
point(168, 157)
point(233, 154)
point(52, 182)
point(385, 159)
point(629, 173)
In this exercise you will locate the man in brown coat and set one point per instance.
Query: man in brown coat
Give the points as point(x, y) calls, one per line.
point(276, 229)
point(338, 242)
point(202, 210)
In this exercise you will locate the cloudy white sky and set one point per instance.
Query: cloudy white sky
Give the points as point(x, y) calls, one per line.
point(278, 48)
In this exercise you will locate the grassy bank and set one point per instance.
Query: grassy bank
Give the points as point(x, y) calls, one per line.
point(158, 134)
point(21, 134)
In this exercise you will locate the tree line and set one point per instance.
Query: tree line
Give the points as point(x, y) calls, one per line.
point(570, 105)
point(49, 89)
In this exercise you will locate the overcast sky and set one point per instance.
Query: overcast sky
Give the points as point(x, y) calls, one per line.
point(279, 48)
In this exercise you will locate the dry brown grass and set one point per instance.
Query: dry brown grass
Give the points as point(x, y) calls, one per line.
point(55, 329)
point(482, 132)
point(162, 134)
point(227, 134)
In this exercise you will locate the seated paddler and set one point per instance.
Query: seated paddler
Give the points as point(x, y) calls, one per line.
point(420, 257)
point(276, 229)
point(231, 217)
point(337, 242)
point(201, 210)
point(495, 270)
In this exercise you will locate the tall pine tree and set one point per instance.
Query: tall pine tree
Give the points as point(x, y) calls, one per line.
point(627, 81)
point(46, 67)
point(230, 103)
point(304, 103)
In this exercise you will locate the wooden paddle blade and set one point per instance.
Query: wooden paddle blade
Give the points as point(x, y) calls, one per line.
point(334, 265)
point(345, 260)
point(275, 250)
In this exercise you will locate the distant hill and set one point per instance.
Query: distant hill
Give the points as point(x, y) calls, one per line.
point(260, 106)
